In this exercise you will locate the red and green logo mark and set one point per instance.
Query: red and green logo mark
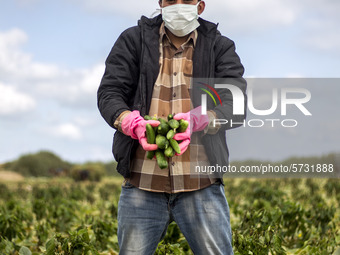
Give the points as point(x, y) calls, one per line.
point(209, 93)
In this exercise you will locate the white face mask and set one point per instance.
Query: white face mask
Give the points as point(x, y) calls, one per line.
point(180, 19)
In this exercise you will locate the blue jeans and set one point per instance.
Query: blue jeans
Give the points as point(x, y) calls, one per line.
point(202, 216)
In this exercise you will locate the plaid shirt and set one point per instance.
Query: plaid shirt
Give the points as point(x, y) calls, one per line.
point(171, 94)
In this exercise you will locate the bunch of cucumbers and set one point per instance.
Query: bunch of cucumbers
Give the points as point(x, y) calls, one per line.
point(162, 135)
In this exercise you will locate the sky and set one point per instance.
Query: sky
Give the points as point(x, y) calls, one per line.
point(52, 56)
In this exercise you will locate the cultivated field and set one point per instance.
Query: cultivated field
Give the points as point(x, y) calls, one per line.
point(268, 216)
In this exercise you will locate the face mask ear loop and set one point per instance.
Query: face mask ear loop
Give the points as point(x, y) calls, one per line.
point(197, 6)
point(158, 11)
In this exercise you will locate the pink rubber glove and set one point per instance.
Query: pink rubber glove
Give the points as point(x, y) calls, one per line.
point(134, 125)
point(197, 122)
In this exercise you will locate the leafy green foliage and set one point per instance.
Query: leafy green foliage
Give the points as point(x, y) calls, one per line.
point(173, 242)
point(14, 219)
point(103, 230)
point(269, 216)
point(6, 247)
point(76, 243)
point(25, 251)
point(5, 192)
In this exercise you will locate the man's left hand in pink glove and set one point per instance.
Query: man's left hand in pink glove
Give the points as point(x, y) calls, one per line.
point(134, 125)
point(197, 122)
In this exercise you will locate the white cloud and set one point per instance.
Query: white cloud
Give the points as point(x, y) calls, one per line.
point(18, 65)
point(84, 121)
point(75, 87)
point(66, 130)
point(47, 89)
point(251, 15)
point(13, 38)
point(322, 34)
point(13, 101)
point(91, 79)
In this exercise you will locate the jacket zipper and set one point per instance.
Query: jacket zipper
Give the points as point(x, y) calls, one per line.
point(141, 80)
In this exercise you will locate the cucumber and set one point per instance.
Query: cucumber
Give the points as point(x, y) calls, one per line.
point(154, 128)
point(183, 125)
point(175, 145)
point(173, 123)
point(147, 117)
point(170, 134)
point(150, 134)
point(163, 128)
point(162, 120)
point(167, 144)
point(169, 152)
point(161, 141)
point(151, 139)
point(150, 154)
point(161, 160)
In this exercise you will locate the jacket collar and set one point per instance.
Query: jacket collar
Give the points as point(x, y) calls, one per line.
point(150, 22)
point(207, 28)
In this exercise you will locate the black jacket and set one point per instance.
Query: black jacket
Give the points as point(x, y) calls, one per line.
point(132, 68)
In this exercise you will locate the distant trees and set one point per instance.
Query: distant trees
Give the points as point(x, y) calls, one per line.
point(47, 164)
point(88, 171)
point(43, 163)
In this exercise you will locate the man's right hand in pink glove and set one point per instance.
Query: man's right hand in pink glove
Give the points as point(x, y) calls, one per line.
point(134, 125)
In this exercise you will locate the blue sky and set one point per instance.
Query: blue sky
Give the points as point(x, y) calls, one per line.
point(52, 56)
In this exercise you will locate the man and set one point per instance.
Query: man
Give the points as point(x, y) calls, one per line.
point(150, 70)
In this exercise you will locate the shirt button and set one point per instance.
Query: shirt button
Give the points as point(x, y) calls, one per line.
point(175, 73)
